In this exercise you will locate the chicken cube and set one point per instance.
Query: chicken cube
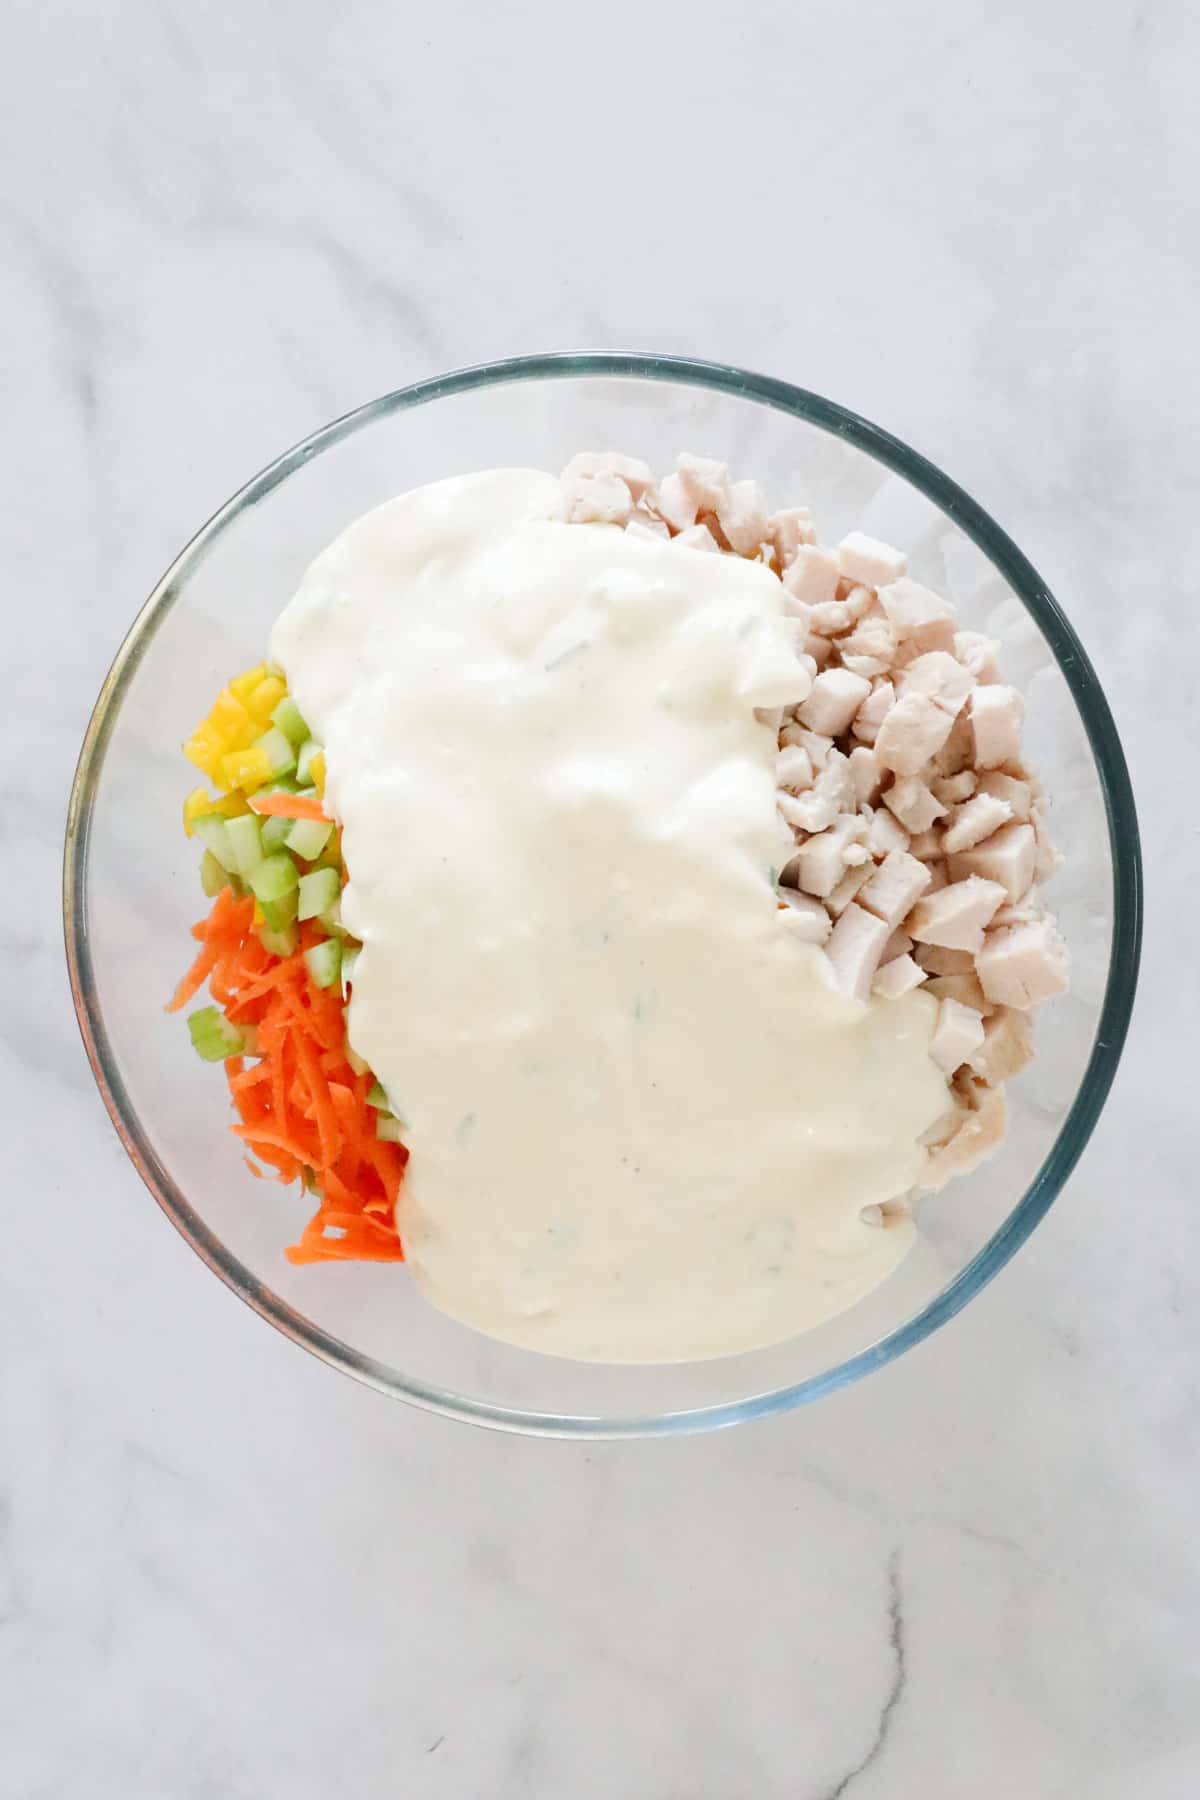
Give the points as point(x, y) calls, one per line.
point(812, 575)
point(935, 959)
point(978, 654)
point(854, 948)
point(866, 776)
point(704, 481)
point(939, 676)
point(1007, 1046)
point(977, 1134)
point(788, 529)
point(873, 711)
point(900, 975)
point(696, 537)
point(997, 713)
point(595, 500)
point(830, 794)
point(1007, 856)
point(645, 525)
point(885, 831)
point(952, 790)
point(957, 753)
point(835, 698)
point(636, 475)
point(957, 915)
point(828, 617)
point(793, 769)
point(899, 944)
point(1018, 794)
point(925, 844)
point(805, 918)
point(973, 822)
point(742, 513)
point(958, 1032)
point(847, 889)
point(964, 988)
point(914, 805)
point(894, 888)
point(913, 610)
point(865, 559)
point(675, 503)
point(912, 732)
point(821, 862)
point(1021, 965)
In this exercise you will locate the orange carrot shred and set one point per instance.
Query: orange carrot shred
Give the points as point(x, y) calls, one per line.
point(287, 806)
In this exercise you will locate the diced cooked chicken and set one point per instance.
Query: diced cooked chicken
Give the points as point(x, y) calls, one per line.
point(1018, 794)
point(742, 512)
point(645, 525)
point(696, 537)
point(972, 822)
point(957, 915)
point(925, 844)
point(978, 653)
point(935, 959)
point(899, 975)
point(873, 711)
point(977, 1134)
point(913, 804)
point(815, 742)
point(865, 559)
point(595, 500)
point(885, 831)
point(793, 768)
point(821, 862)
point(1007, 856)
point(964, 988)
point(854, 948)
point(812, 575)
point(956, 754)
point(958, 1032)
point(675, 503)
point(952, 790)
point(788, 529)
point(830, 795)
point(637, 475)
point(1007, 1046)
point(866, 776)
point(1021, 965)
point(894, 888)
point(851, 882)
point(941, 678)
point(703, 480)
point(870, 647)
point(997, 713)
point(899, 944)
point(912, 732)
point(916, 612)
point(805, 917)
point(1048, 860)
point(835, 698)
point(828, 617)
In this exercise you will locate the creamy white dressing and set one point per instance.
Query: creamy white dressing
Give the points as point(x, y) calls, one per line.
point(642, 1124)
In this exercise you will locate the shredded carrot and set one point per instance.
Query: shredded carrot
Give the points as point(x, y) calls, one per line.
point(301, 1109)
point(287, 806)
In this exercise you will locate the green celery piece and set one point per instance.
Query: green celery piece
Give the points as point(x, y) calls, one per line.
point(278, 943)
point(213, 1037)
point(245, 838)
point(288, 718)
point(274, 831)
point(212, 830)
point(389, 1129)
point(308, 837)
point(275, 876)
point(318, 891)
point(212, 876)
point(324, 962)
point(350, 955)
point(304, 755)
point(279, 749)
point(279, 914)
point(378, 1098)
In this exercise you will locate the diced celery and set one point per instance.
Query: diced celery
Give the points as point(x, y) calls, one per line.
point(304, 755)
point(389, 1129)
point(212, 876)
point(213, 1037)
point(278, 943)
point(278, 751)
point(279, 914)
point(213, 832)
point(308, 837)
point(350, 955)
point(274, 877)
point(378, 1098)
point(274, 831)
point(358, 1063)
point(318, 891)
point(245, 838)
point(324, 962)
point(288, 717)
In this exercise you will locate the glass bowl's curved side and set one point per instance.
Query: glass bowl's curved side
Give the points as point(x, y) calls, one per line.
point(130, 890)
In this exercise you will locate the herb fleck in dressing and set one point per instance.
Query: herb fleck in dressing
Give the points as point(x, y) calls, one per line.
point(642, 1124)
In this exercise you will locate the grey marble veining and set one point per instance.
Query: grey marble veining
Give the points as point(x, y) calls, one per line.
point(226, 1572)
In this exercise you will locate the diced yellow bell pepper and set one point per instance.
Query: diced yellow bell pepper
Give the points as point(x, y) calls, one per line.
point(260, 917)
point(200, 802)
point(230, 720)
point(247, 769)
point(205, 749)
point(316, 769)
point(244, 685)
point(266, 697)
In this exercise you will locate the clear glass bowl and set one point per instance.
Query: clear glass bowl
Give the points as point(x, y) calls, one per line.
point(131, 891)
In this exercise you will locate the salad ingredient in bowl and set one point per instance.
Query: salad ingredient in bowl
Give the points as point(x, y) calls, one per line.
point(679, 873)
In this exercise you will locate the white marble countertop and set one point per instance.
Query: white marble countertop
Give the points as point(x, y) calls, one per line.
point(226, 1571)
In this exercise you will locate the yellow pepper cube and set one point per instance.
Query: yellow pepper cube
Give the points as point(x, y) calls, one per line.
point(205, 749)
point(266, 697)
point(230, 720)
point(198, 802)
point(316, 769)
point(244, 685)
point(248, 768)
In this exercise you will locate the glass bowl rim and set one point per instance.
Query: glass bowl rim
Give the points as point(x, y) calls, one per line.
point(1111, 771)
